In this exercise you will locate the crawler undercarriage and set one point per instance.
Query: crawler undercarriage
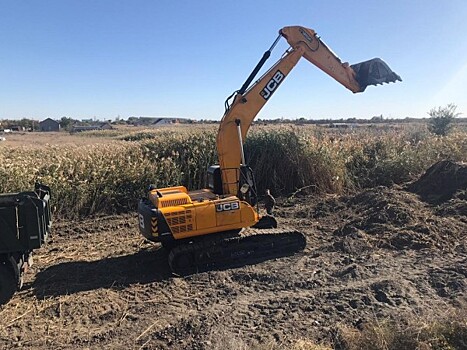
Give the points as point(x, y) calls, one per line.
point(231, 249)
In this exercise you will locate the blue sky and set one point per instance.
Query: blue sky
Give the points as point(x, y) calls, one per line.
point(109, 58)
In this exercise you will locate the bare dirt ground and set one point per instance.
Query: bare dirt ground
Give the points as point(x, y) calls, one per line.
point(384, 253)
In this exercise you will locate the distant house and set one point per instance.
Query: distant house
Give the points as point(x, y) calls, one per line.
point(49, 125)
point(80, 128)
point(100, 126)
point(340, 125)
point(106, 126)
point(166, 121)
point(155, 121)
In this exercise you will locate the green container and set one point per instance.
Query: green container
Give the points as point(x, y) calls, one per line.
point(25, 220)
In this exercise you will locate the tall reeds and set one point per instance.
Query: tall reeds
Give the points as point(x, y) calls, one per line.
point(111, 177)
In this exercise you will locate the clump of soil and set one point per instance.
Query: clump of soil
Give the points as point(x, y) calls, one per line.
point(456, 206)
point(444, 185)
point(392, 218)
point(441, 182)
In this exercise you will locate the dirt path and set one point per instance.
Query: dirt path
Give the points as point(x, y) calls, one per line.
point(383, 253)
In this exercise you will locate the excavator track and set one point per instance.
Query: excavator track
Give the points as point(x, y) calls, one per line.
point(224, 251)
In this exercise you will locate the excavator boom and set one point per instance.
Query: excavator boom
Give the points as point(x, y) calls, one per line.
point(248, 101)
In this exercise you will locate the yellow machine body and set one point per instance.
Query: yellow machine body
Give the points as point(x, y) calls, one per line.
point(182, 214)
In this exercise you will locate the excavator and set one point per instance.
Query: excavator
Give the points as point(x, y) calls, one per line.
point(222, 225)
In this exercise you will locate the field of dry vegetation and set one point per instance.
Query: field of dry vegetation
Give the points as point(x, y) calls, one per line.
point(107, 171)
point(385, 265)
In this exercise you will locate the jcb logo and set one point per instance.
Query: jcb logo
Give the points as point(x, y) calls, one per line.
point(227, 206)
point(272, 85)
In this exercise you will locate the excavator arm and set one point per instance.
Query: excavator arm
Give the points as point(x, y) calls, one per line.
point(248, 101)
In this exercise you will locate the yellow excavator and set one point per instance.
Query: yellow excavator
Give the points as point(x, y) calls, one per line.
point(221, 225)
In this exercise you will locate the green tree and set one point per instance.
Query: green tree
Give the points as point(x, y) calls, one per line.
point(441, 119)
point(67, 123)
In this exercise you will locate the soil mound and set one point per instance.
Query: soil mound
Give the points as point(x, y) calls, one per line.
point(431, 212)
point(395, 219)
point(441, 182)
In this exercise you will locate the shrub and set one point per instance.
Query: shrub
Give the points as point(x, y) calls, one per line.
point(441, 119)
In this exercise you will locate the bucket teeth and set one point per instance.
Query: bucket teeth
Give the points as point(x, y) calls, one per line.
point(374, 72)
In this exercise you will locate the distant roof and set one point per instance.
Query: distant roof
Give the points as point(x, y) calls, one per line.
point(47, 119)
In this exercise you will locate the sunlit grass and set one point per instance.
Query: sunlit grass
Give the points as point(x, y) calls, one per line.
point(110, 177)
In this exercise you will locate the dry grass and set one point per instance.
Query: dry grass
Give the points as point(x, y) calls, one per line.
point(222, 339)
point(446, 332)
point(107, 171)
point(441, 332)
point(43, 139)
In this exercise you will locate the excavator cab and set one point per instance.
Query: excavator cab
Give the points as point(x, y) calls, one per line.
point(215, 179)
point(246, 184)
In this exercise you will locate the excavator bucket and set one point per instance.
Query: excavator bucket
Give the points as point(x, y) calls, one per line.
point(373, 72)
point(355, 78)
